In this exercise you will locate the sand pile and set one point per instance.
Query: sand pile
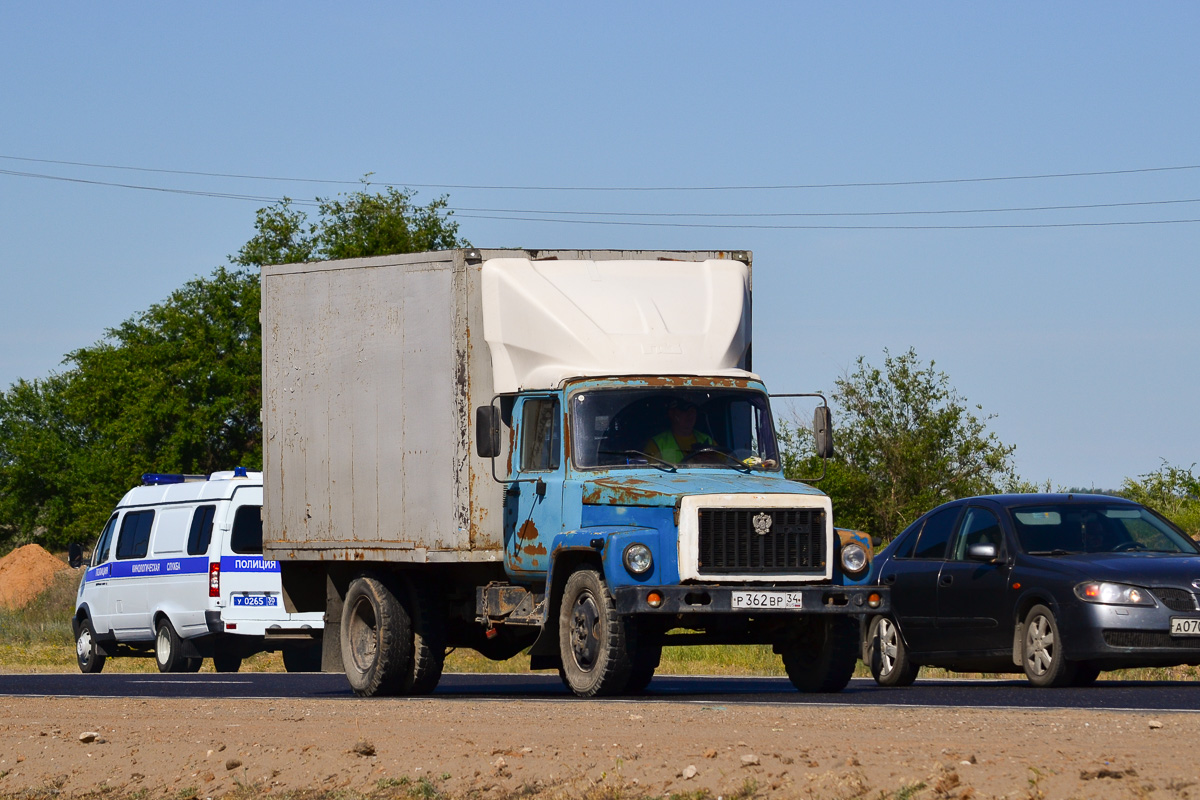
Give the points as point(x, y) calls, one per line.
point(25, 573)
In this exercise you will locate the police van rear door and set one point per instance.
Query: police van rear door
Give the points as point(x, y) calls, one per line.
point(250, 586)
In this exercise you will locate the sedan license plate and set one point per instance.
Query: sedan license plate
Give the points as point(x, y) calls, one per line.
point(1185, 626)
point(255, 600)
point(766, 600)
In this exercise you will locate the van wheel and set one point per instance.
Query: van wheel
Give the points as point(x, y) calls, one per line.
point(302, 659)
point(166, 649)
point(821, 655)
point(87, 652)
point(593, 641)
point(227, 662)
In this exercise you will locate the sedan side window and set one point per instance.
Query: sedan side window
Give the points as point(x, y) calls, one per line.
point(936, 534)
point(979, 526)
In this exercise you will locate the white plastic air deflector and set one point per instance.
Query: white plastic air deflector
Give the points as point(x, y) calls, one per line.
point(545, 321)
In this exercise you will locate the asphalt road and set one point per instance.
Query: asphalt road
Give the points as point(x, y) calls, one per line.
point(1108, 695)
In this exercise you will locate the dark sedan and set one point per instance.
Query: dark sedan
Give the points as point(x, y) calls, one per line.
point(1061, 586)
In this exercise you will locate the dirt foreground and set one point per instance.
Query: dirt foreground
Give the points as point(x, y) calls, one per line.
point(506, 749)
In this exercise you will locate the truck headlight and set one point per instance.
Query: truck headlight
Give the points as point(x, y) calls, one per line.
point(638, 559)
point(854, 558)
point(1113, 594)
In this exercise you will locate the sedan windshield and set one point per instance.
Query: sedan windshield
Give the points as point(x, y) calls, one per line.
point(669, 427)
point(1077, 528)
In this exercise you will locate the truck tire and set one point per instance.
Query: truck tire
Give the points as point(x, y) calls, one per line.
point(393, 636)
point(226, 662)
point(645, 662)
point(376, 635)
point(594, 642)
point(166, 649)
point(428, 613)
point(822, 654)
point(87, 652)
point(302, 659)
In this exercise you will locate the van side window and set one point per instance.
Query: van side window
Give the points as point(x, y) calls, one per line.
point(201, 533)
point(246, 538)
point(100, 555)
point(134, 540)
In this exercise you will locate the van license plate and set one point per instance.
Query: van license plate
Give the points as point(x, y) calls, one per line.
point(255, 600)
point(769, 600)
point(1185, 626)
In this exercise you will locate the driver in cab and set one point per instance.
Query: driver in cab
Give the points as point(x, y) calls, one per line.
point(681, 437)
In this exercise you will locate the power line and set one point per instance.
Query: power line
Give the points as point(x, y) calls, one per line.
point(768, 187)
point(748, 226)
point(767, 214)
point(496, 213)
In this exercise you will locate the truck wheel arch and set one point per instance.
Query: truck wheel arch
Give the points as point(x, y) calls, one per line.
point(566, 560)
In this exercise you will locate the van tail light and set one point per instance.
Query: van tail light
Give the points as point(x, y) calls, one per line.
point(214, 579)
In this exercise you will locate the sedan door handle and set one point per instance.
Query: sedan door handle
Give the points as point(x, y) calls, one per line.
point(946, 580)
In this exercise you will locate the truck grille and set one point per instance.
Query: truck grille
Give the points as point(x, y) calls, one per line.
point(730, 544)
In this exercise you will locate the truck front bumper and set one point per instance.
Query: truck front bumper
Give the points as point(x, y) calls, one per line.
point(713, 599)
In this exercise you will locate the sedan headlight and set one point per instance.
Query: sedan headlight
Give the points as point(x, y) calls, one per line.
point(638, 559)
point(1113, 594)
point(854, 558)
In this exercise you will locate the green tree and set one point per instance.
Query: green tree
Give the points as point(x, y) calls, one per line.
point(906, 441)
point(359, 224)
point(176, 388)
point(1172, 491)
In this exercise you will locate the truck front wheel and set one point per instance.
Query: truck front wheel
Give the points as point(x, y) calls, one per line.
point(594, 641)
point(822, 653)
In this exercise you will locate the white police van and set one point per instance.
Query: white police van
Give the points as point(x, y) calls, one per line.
point(178, 573)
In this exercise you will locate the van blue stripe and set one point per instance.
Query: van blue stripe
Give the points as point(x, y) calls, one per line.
point(149, 567)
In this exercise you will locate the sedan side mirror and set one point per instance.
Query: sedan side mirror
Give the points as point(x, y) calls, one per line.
point(982, 552)
point(487, 431)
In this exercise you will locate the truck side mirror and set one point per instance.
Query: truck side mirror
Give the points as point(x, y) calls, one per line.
point(823, 431)
point(487, 431)
point(75, 555)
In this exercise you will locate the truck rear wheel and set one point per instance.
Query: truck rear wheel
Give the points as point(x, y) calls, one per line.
point(822, 654)
point(392, 641)
point(594, 642)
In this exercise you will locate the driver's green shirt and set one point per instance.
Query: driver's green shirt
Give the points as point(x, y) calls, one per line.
point(671, 449)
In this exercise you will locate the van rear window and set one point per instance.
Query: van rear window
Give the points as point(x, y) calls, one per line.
point(134, 540)
point(246, 538)
point(200, 535)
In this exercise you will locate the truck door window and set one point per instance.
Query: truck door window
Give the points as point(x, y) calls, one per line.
point(246, 538)
point(134, 540)
point(101, 553)
point(200, 534)
point(541, 432)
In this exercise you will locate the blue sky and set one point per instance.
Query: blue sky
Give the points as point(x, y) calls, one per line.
point(1083, 341)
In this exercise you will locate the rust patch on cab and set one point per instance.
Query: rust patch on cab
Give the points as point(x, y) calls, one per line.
point(528, 532)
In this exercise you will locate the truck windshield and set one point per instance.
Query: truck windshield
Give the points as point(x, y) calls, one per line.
point(672, 427)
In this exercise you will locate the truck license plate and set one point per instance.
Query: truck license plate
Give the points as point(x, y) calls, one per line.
point(769, 600)
point(255, 600)
point(1185, 626)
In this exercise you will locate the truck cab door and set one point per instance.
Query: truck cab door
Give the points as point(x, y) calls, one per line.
point(533, 503)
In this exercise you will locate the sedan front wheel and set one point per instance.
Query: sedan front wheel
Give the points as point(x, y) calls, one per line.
point(1042, 654)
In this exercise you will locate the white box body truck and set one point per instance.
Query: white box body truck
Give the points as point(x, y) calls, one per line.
point(558, 450)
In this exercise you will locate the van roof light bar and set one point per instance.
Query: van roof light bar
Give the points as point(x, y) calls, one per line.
point(164, 478)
